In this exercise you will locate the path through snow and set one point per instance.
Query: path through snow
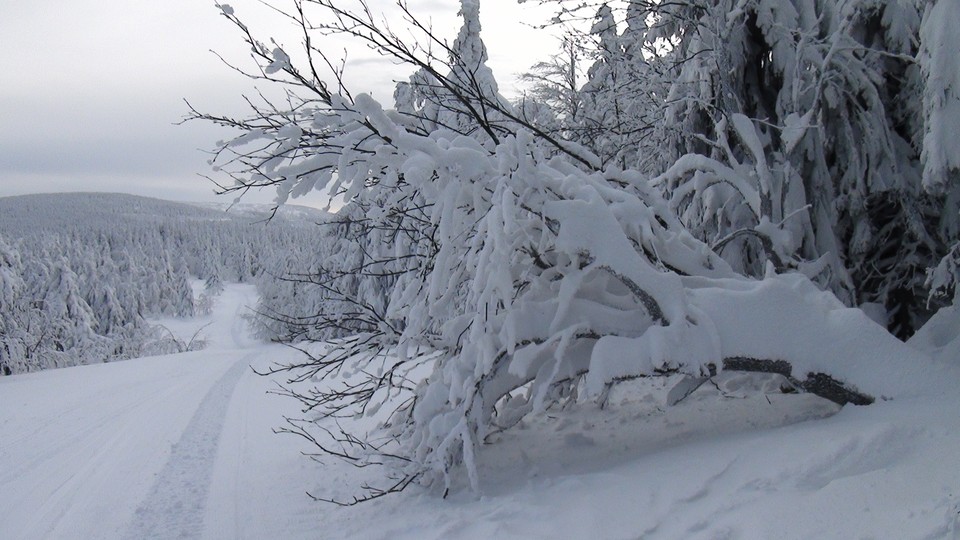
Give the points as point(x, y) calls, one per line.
point(132, 449)
point(182, 486)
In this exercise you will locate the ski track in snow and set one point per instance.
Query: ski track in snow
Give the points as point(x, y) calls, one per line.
point(133, 449)
point(182, 486)
point(91, 447)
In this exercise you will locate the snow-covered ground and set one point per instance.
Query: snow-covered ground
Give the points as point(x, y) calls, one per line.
point(164, 447)
point(182, 446)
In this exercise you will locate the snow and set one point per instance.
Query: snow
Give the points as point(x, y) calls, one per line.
point(786, 317)
point(941, 97)
point(714, 466)
point(183, 446)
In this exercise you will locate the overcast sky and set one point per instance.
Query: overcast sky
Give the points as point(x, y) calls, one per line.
point(90, 90)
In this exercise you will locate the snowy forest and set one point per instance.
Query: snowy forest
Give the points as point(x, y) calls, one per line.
point(685, 188)
point(84, 277)
point(696, 276)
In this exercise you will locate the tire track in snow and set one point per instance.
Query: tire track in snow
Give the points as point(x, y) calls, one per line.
point(174, 507)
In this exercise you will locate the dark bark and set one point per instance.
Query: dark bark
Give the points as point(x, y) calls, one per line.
point(820, 384)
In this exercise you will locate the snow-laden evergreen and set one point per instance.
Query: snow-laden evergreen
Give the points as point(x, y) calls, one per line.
point(941, 96)
point(82, 275)
point(808, 134)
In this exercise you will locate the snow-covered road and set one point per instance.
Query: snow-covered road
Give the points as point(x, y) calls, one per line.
point(154, 447)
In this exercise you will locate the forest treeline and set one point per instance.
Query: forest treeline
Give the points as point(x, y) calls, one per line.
point(83, 275)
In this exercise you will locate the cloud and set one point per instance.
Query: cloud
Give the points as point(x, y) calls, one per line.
point(91, 89)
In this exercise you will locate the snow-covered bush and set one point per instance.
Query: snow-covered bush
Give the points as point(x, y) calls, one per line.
point(485, 267)
point(542, 277)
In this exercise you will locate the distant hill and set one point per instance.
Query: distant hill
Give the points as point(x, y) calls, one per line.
point(262, 211)
point(24, 215)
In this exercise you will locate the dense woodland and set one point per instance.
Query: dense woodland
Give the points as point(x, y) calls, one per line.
point(83, 275)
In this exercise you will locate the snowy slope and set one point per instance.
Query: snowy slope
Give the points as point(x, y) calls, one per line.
point(129, 449)
point(733, 466)
point(182, 446)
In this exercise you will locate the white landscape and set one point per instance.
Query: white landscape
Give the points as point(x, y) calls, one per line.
point(697, 277)
point(182, 446)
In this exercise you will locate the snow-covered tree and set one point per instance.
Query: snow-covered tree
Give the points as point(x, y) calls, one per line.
point(937, 58)
point(793, 132)
point(71, 324)
point(484, 268)
point(617, 105)
point(13, 312)
point(555, 84)
point(941, 114)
